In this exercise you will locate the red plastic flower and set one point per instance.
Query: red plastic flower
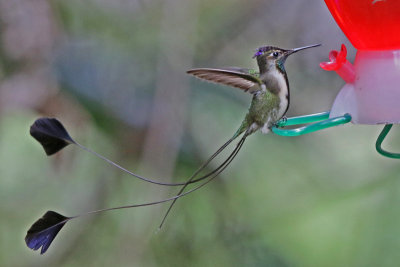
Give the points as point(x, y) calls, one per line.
point(337, 59)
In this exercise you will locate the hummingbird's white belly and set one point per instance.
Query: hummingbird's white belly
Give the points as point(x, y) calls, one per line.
point(283, 94)
point(269, 104)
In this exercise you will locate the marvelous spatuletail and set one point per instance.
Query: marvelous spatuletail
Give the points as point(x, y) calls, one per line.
point(270, 90)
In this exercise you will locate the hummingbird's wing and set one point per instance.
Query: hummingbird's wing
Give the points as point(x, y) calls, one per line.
point(244, 79)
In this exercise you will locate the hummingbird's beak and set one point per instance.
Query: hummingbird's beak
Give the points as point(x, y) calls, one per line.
point(289, 52)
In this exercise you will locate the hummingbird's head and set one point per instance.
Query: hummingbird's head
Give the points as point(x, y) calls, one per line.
point(271, 57)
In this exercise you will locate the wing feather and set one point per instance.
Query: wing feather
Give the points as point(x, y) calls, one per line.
point(235, 77)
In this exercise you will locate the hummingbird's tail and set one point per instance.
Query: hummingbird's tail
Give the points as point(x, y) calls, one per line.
point(42, 233)
point(244, 127)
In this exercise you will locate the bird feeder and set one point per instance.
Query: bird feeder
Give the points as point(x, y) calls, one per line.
point(371, 94)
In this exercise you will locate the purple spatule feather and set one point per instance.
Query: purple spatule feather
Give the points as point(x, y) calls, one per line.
point(51, 134)
point(43, 231)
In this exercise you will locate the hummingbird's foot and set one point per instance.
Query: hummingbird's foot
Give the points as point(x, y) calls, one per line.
point(282, 122)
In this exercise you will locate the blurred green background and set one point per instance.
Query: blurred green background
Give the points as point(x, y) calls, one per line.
point(114, 73)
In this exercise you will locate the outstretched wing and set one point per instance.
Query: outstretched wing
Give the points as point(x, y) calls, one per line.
point(240, 78)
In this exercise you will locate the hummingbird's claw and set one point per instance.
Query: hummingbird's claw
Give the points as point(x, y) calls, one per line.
point(281, 123)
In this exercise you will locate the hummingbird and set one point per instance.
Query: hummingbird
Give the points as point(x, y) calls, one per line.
point(269, 87)
point(270, 102)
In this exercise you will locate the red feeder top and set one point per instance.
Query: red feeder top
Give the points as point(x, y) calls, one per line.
point(368, 24)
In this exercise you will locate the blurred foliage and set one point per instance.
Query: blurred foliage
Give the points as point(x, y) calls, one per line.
point(109, 69)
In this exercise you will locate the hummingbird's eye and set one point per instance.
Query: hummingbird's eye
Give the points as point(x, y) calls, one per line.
point(275, 54)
